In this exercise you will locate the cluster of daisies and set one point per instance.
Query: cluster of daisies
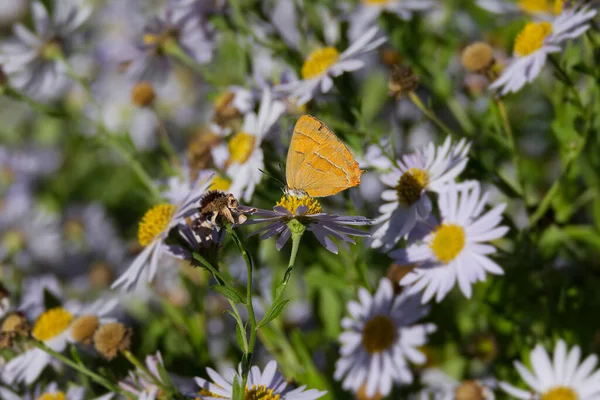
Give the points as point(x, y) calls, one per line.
point(136, 93)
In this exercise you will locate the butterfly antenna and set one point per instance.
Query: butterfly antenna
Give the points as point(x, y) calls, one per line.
point(271, 176)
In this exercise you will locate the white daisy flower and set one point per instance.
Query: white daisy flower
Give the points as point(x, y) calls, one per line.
point(54, 328)
point(440, 386)
point(368, 11)
point(246, 157)
point(454, 249)
point(327, 62)
point(563, 378)
point(154, 228)
point(266, 385)
point(535, 42)
point(5, 303)
point(50, 392)
point(380, 337)
point(544, 9)
point(427, 169)
point(139, 383)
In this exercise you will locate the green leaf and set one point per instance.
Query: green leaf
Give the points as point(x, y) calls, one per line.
point(273, 313)
point(231, 294)
point(330, 311)
point(239, 338)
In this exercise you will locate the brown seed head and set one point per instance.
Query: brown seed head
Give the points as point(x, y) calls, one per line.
point(469, 390)
point(199, 154)
point(16, 324)
point(478, 57)
point(143, 94)
point(84, 327)
point(402, 81)
point(111, 338)
point(362, 394)
point(100, 276)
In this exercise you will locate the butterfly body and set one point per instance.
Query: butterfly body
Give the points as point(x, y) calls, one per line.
point(318, 163)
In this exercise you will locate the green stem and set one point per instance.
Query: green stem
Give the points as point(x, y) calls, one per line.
point(166, 144)
point(429, 114)
point(250, 307)
point(81, 368)
point(567, 79)
point(513, 146)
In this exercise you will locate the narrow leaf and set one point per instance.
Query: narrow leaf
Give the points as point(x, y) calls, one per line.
point(273, 313)
point(231, 294)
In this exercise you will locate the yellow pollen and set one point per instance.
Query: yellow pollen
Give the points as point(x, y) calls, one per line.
point(154, 222)
point(84, 327)
point(291, 203)
point(542, 6)
point(260, 392)
point(378, 334)
point(531, 38)
point(52, 323)
point(319, 61)
point(143, 94)
point(560, 393)
point(241, 146)
point(375, 2)
point(52, 396)
point(220, 183)
point(411, 185)
point(448, 242)
point(206, 393)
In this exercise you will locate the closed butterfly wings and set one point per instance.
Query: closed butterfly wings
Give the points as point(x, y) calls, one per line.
point(318, 163)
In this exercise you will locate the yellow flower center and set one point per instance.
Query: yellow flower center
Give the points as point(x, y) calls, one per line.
point(52, 323)
point(375, 2)
point(241, 146)
point(378, 334)
point(319, 61)
point(154, 222)
point(531, 38)
point(291, 203)
point(260, 392)
point(52, 396)
point(411, 184)
point(220, 183)
point(448, 242)
point(542, 6)
point(560, 393)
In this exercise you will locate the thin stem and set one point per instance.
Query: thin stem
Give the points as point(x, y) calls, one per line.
point(296, 237)
point(429, 114)
point(567, 79)
point(249, 305)
point(81, 368)
point(512, 144)
point(165, 142)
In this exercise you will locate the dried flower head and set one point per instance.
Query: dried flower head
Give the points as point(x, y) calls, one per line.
point(84, 327)
point(402, 80)
point(478, 57)
point(217, 204)
point(111, 338)
point(198, 154)
point(470, 390)
point(16, 324)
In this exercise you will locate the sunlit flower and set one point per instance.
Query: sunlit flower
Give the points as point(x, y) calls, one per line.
point(32, 60)
point(49, 392)
point(246, 157)
point(546, 9)
point(308, 212)
point(380, 338)
point(327, 62)
point(154, 228)
point(535, 42)
point(54, 329)
point(268, 385)
point(427, 169)
point(563, 377)
point(454, 249)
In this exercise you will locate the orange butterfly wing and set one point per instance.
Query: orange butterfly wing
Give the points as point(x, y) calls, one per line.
point(318, 162)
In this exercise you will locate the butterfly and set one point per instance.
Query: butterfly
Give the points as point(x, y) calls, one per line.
point(318, 163)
